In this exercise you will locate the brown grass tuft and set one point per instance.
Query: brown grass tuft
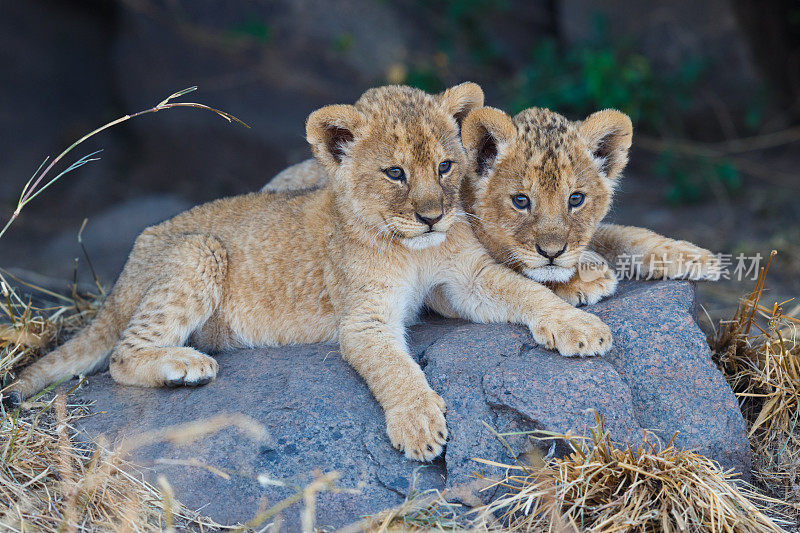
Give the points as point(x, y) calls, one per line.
point(606, 486)
point(758, 350)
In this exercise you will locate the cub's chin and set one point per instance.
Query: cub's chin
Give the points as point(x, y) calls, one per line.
point(426, 240)
point(549, 273)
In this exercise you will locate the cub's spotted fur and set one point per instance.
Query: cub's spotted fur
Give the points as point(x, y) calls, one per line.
point(351, 262)
point(565, 172)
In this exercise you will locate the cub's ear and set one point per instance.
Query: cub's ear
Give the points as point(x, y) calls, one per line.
point(461, 99)
point(608, 135)
point(331, 131)
point(487, 134)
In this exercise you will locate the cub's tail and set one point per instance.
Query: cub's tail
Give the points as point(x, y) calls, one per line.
point(86, 352)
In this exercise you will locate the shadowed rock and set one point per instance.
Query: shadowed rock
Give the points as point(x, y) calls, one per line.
point(320, 415)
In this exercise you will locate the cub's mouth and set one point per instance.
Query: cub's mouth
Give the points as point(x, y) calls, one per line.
point(549, 273)
point(425, 240)
point(415, 235)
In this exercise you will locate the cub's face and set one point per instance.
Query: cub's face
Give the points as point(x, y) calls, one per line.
point(396, 160)
point(540, 184)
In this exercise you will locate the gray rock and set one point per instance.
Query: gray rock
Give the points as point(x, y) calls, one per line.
point(320, 415)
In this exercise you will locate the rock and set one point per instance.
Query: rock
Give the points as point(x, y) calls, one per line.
point(320, 415)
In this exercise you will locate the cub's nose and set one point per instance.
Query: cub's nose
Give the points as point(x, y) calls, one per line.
point(430, 221)
point(550, 252)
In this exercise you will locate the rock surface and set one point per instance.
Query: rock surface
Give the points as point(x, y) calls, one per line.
point(320, 415)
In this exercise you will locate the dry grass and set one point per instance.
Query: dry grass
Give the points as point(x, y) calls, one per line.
point(759, 353)
point(601, 486)
point(607, 486)
point(47, 481)
point(426, 510)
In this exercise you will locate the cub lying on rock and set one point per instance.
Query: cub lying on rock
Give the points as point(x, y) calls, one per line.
point(536, 190)
point(352, 261)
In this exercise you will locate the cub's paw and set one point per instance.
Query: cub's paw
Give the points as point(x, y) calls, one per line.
point(187, 367)
point(680, 260)
point(573, 333)
point(591, 283)
point(417, 427)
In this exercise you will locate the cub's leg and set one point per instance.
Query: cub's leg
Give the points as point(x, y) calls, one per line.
point(372, 340)
point(151, 351)
point(85, 353)
point(436, 300)
point(489, 292)
point(593, 281)
point(649, 255)
point(90, 348)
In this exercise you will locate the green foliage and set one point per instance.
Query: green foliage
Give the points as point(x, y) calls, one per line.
point(582, 79)
point(601, 74)
point(463, 21)
point(253, 28)
point(425, 77)
point(344, 42)
point(692, 179)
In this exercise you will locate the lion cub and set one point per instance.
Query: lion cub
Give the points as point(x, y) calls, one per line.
point(535, 193)
point(539, 188)
point(351, 262)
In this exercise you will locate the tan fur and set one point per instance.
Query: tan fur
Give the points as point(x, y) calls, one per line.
point(547, 157)
point(350, 262)
point(306, 175)
point(543, 155)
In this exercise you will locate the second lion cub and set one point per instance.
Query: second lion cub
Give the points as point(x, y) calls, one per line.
point(351, 262)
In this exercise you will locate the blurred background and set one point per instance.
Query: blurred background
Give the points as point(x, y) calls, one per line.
point(713, 88)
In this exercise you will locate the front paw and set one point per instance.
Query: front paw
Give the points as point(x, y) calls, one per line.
point(680, 260)
point(591, 283)
point(187, 367)
point(573, 333)
point(417, 426)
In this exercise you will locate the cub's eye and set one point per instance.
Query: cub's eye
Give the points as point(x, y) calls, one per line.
point(395, 173)
point(445, 166)
point(521, 201)
point(576, 199)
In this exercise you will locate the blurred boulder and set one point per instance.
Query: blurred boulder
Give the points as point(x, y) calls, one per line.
point(108, 238)
point(320, 415)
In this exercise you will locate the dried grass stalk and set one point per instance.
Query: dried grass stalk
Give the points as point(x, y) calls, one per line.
point(758, 350)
